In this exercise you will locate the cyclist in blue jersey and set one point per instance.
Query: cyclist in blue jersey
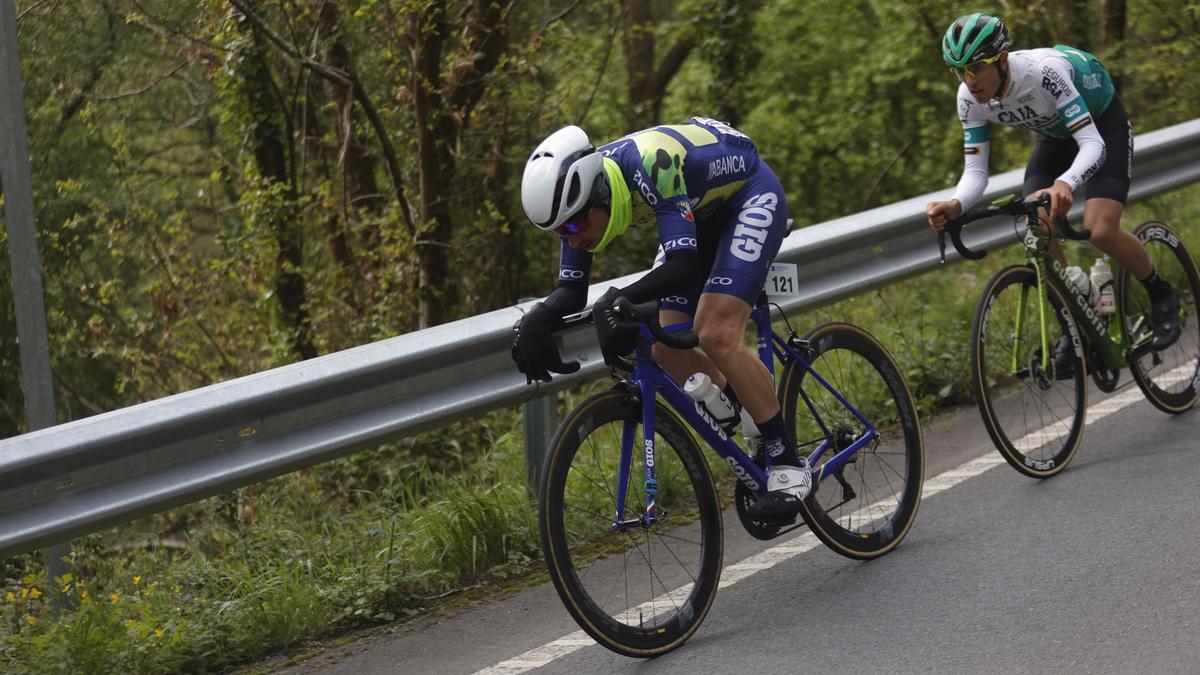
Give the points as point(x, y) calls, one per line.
point(1067, 98)
point(721, 215)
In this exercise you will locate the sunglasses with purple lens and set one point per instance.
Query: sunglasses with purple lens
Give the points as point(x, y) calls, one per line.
point(575, 225)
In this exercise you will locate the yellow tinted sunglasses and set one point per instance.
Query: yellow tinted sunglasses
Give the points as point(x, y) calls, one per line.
point(973, 68)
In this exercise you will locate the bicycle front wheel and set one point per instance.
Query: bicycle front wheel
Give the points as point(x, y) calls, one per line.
point(1032, 408)
point(640, 587)
point(1170, 379)
point(865, 508)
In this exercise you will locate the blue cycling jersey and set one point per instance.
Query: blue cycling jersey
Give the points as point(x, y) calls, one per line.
point(678, 177)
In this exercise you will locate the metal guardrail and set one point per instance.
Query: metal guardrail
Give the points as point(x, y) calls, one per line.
point(81, 476)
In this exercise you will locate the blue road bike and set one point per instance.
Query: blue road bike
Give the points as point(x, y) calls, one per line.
point(630, 516)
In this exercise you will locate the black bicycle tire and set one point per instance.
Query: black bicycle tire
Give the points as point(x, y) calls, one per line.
point(854, 544)
point(1168, 402)
point(602, 408)
point(1024, 274)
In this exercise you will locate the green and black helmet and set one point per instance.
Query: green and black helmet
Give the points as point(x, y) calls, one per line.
point(974, 37)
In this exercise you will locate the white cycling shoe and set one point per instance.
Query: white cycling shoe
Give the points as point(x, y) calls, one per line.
point(787, 486)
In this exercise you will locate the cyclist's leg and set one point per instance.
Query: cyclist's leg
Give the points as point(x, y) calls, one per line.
point(1107, 192)
point(755, 227)
point(1102, 217)
point(679, 309)
point(756, 222)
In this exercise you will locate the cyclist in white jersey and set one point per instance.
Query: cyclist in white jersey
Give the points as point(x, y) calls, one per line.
point(1066, 97)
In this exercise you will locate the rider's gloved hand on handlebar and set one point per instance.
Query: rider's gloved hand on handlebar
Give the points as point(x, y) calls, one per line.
point(617, 336)
point(534, 349)
point(939, 213)
point(1061, 199)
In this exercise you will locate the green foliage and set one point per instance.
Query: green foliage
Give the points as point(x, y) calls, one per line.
point(274, 565)
point(161, 237)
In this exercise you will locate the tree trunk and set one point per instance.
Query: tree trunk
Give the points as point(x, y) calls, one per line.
point(269, 138)
point(648, 81)
point(437, 289)
point(732, 56)
point(1113, 21)
point(442, 113)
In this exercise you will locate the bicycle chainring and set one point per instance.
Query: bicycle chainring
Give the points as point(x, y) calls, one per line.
point(743, 499)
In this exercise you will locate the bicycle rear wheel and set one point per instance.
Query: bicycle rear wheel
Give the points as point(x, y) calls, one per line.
point(639, 590)
point(1034, 413)
point(1170, 379)
point(865, 508)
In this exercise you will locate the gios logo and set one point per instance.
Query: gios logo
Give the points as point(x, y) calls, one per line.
point(570, 275)
point(649, 453)
point(754, 222)
point(710, 422)
point(720, 281)
point(738, 471)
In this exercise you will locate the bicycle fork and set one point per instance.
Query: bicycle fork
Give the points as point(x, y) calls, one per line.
point(628, 439)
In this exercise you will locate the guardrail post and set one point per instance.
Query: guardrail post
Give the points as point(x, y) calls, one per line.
point(541, 419)
point(28, 303)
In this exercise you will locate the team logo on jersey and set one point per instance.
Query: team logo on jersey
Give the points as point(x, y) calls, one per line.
point(679, 242)
point(647, 193)
point(754, 223)
point(1053, 82)
point(1018, 116)
point(1091, 81)
point(685, 210)
point(1072, 111)
point(728, 164)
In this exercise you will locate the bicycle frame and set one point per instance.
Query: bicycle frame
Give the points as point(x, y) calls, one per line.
point(651, 380)
point(1104, 336)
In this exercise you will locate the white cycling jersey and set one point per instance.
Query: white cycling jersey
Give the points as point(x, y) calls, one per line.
point(1052, 91)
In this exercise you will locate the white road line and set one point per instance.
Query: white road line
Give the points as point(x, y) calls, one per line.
point(802, 543)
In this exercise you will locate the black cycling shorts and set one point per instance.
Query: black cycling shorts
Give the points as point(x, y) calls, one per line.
point(1053, 156)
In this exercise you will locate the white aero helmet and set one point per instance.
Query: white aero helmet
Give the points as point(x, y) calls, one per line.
point(560, 179)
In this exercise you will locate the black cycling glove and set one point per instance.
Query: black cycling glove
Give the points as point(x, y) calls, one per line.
point(617, 336)
point(534, 349)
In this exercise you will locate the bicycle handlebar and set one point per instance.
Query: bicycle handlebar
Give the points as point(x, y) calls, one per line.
point(644, 313)
point(1028, 208)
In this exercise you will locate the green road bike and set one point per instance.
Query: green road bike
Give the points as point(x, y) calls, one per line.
point(1033, 410)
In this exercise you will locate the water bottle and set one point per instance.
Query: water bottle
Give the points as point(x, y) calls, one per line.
point(1102, 281)
point(1079, 281)
point(702, 389)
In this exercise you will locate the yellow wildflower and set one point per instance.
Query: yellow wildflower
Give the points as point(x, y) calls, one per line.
point(137, 579)
point(24, 592)
point(66, 588)
point(158, 633)
point(115, 599)
point(178, 589)
point(10, 597)
point(35, 593)
point(31, 620)
point(83, 595)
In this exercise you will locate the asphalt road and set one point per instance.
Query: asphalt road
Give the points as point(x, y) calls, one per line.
point(1095, 570)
